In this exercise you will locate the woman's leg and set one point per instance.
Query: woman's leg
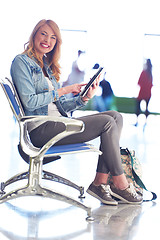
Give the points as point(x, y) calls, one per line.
point(106, 125)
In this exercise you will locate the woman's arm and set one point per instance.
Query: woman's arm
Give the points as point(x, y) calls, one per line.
point(22, 77)
point(74, 88)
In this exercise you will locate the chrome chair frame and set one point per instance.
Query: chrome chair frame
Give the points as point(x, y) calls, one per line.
point(35, 173)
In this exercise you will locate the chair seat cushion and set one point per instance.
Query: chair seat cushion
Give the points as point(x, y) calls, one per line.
point(69, 148)
point(53, 152)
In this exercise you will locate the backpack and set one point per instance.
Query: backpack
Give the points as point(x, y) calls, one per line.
point(133, 171)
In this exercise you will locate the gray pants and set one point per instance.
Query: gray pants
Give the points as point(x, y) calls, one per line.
point(106, 125)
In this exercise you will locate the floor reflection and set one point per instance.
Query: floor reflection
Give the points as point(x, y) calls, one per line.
point(47, 219)
point(42, 224)
point(116, 222)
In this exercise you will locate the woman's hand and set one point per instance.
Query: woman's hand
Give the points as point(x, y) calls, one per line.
point(74, 88)
point(92, 90)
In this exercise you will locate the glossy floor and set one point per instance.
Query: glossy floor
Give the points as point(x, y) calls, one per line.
point(45, 219)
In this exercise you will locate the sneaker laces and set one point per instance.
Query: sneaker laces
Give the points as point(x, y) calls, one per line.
point(106, 188)
point(131, 190)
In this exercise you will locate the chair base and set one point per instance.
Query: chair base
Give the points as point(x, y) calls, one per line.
point(46, 176)
point(44, 192)
point(53, 177)
point(34, 188)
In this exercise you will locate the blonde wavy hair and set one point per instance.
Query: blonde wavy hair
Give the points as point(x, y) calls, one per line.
point(53, 57)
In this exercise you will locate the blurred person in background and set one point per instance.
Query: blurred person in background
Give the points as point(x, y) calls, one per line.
point(105, 101)
point(77, 74)
point(145, 83)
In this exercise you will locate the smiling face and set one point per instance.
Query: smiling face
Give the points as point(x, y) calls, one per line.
point(45, 40)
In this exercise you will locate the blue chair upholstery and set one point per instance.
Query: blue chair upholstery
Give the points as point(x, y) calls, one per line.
point(36, 157)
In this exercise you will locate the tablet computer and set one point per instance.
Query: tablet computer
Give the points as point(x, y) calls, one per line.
point(85, 90)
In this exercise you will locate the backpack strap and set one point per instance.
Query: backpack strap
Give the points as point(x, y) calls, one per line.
point(138, 180)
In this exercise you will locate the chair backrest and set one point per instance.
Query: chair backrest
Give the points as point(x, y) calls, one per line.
point(17, 109)
point(13, 98)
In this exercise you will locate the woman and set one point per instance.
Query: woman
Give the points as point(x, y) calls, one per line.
point(145, 83)
point(36, 74)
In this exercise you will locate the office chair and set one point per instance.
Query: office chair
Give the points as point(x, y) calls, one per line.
point(36, 157)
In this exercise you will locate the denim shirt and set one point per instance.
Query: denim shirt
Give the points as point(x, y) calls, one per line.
point(33, 88)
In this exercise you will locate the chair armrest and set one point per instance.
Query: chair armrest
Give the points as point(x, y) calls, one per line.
point(70, 123)
point(72, 126)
